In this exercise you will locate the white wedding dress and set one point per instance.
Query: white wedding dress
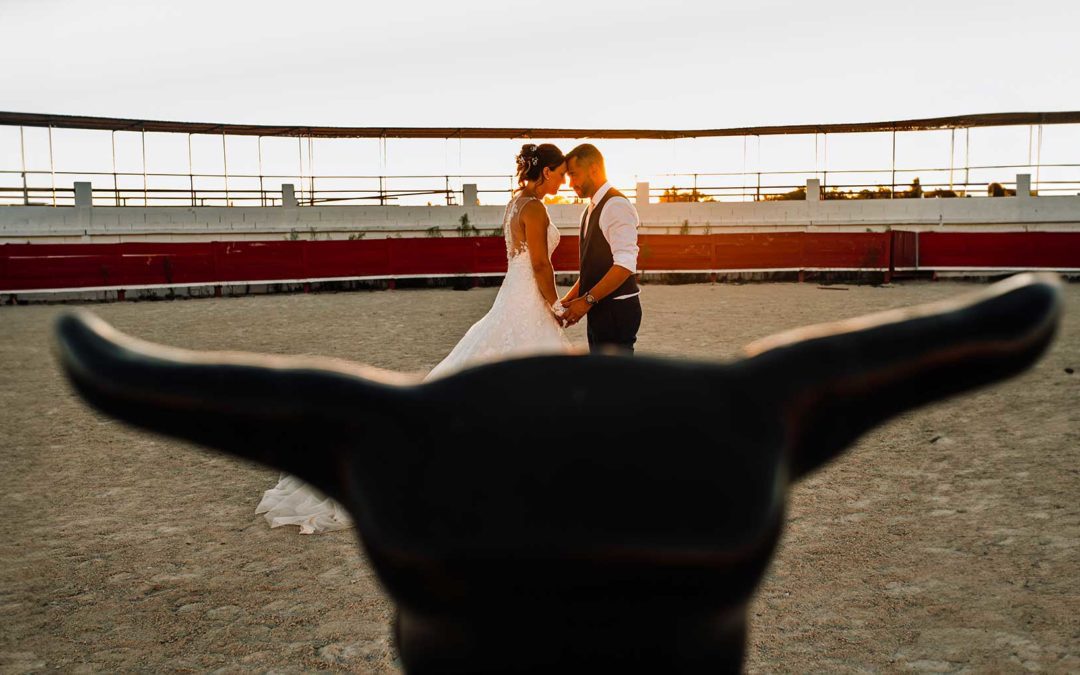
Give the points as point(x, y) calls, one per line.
point(519, 323)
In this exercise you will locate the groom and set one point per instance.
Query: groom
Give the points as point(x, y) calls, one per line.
point(607, 288)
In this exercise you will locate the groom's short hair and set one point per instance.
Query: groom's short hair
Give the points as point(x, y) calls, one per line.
point(586, 153)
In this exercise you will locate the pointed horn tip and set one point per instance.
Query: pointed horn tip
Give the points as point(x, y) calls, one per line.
point(1045, 286)
point(1049, 283)
point(1034, 286)
point(76, 334)
point(81, 324)
point(1026, 278)
point(71, 329)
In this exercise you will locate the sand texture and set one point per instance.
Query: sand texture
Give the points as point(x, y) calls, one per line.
point(946, 540)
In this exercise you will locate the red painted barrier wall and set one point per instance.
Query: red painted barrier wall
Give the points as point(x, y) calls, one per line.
point(1023, 250)
point(59, 266)
point(777, 250)
point(53, 266)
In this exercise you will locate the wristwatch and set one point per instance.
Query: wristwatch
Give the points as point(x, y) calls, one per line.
point(591, 299)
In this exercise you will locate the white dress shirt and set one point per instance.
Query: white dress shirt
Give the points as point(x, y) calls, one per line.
point(619, 225)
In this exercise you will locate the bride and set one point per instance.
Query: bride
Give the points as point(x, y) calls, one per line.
point(523, 320)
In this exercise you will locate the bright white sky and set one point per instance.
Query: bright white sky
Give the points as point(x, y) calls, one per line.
point(601, 64)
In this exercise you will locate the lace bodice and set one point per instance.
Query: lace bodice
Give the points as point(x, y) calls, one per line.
point(520, 322)
point(514, 229)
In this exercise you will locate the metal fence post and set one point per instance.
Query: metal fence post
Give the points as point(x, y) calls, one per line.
point(311, 169)
point(300, 156)
point(892, 185)
point(115, 184)
point(22, 153)
point(225, 166)
point(191, 172)
point(52, 167)
point(262, 193)
point(952, 156)
point(1038, 161)
point(145, 201)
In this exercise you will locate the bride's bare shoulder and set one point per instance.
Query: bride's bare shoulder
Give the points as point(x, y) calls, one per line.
point(534, 209)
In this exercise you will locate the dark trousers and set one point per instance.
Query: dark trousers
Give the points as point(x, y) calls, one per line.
point(614, 323)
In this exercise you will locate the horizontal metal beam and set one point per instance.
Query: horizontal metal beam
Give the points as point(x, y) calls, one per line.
point(118, 124)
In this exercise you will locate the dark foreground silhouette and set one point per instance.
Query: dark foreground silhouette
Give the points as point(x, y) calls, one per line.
point(570, 512)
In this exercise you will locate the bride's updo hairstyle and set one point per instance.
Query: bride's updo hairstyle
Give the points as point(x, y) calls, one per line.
point(533, 159)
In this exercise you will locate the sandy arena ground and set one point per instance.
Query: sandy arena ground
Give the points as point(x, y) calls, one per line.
point(944, 541)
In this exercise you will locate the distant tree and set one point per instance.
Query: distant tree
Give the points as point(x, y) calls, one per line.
point(434, 231)
point(998, 190)
point(672, 195)
point(559, 199)
point(915, 192)
point(798, 194)
point(881, 192)
point(941, 193)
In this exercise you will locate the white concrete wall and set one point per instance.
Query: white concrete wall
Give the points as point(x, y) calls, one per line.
point(46, 224)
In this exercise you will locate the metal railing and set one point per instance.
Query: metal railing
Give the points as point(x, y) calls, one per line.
point(20, 185)
point(48, 188)
point(881, 183)
point(183, 189)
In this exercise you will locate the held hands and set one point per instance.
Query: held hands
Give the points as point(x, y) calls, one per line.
point(558, 311)
point(575, 310)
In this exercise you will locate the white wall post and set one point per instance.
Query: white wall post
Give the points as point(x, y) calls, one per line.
point(813, 190)
point(642, 195)
point(288, 195)
point(469, 195)
point(1023, 185)
point(83, 194)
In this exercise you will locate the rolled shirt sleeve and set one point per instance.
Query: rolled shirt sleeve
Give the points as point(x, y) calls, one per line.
point(619, 225)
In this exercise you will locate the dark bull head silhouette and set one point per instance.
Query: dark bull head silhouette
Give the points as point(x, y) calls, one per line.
point(570, 512)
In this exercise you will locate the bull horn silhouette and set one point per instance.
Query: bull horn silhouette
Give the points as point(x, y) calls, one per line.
point(570, 512)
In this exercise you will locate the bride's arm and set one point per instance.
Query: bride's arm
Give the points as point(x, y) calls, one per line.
point(535, 219)
point(572, 294)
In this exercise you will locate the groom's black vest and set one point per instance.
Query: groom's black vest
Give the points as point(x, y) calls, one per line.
point(595, 252)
